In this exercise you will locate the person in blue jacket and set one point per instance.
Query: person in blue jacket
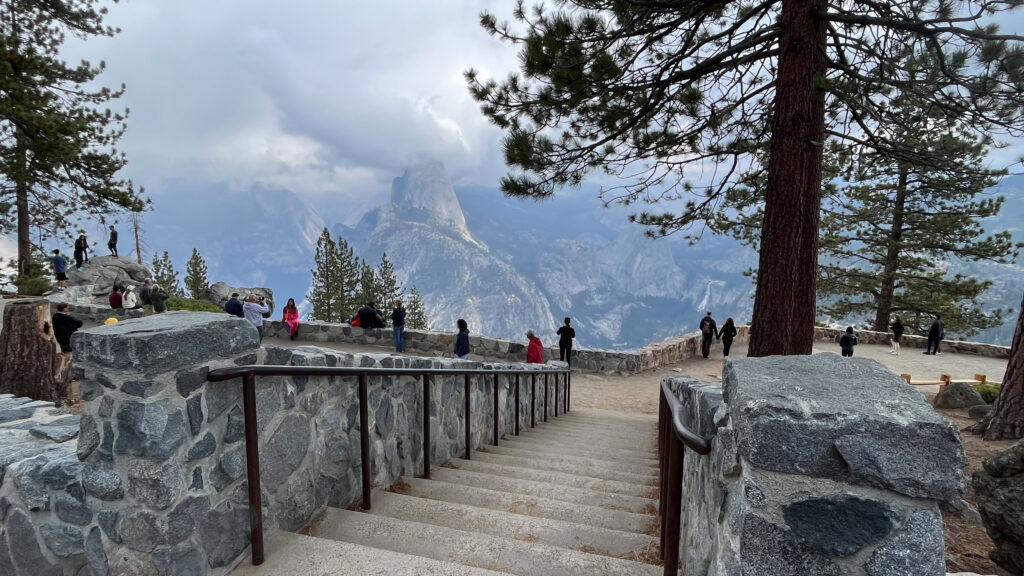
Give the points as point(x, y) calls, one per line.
point(462, 340)
point(60, 269)
point(234, 306)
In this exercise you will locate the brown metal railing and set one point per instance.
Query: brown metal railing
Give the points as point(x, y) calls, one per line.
point(248, 375)
point(673, 434)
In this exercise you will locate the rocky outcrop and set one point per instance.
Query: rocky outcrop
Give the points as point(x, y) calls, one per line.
point(220, 292)
point(958, 395)
point(999, 491)
point(103, 272)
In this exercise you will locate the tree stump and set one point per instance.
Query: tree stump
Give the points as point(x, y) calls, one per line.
point(28, 353)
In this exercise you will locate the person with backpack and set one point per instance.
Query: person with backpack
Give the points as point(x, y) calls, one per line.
point(708, 331)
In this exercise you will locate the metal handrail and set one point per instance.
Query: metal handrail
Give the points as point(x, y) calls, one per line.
point(673, 434)
point(249, 373)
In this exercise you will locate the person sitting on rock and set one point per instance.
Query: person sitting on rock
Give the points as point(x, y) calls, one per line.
point(847, 342)
point(535, 350)
point(369, 317)
point(146, 297)
point(291, 318)
point(116, 299)
point(129, 300)
point(64, 325)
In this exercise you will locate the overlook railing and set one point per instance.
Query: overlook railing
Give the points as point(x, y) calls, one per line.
point(673, 434)
point(248, 375)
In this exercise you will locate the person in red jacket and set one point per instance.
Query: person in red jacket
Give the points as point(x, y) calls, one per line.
point(116, 299)
point(535, 351)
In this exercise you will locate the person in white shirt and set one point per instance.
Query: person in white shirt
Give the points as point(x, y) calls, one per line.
point(254, 309)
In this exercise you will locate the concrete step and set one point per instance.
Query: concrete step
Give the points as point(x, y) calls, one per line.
point(539, 506)
point(597, 540)
point(595, 449)
point(551, 477)
point(555, 424)
point(593, 470)
point(559, 492)
point(567, 457)
point(502, 554)
point(613, 415)
point(288, 554)
point(575, 437)
point(618, 424)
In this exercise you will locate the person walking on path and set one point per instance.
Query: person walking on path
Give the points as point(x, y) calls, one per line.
point(398, 326)
point(112, 243)
point(897, 335)
point(936, 333)
point(291, 318)
point(81, 251)
point(159, 298)
point(535, 349)
point(254, 309)
point(234, 306)
point(565, 336)
point(708, 331)
point(462, 339)
point(64, 325)
point(116, 300)
point(847, 342)
point(60, 269)
point(727, 333)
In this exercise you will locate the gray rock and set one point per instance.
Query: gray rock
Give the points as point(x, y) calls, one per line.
point(138, 388)
point(958, 395)
point(185, 559)
point(106, 408)
point(34, 477)
point(285, 451)
point(768, 550)
point(89, 437)
point(62, 540)
point(235, 429)
point(917, 549)
point(6, 562)
point(106, 449)
point(203, 448)
point(194, 407)
point(16, 414)
point(108, 522)
point(999, 492)
point(220, 292)
point(140, 530)
point(232, 462)
point(55, 433)
point(979, 411)
point(102, 272)
point(90, 390)
point(72, 511)
point(838, 525)
point(159, 342)
point(197, 479)
point(224, 534)
point(385, 418)
point(153, 484)
point(296, 503)
point(220, 396)
point(102, 482)
point(181, 522)
point(95, 553)
point(848, 420)
point(190, 379)
point(24, 548)
point(131, 563)
point(153, 430)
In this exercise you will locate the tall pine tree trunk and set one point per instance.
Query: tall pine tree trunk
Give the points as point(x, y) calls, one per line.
point(787, 273)
point(892, 256)
point(1007, 418)
point(29, 365)
point(24, 222)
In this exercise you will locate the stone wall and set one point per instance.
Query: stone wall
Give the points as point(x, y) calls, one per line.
point(820, 465)
point(156, 483)
point(912, 341)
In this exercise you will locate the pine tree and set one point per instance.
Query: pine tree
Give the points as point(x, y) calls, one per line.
point(165, 276)
point(195, 275)
point(1006, 420)
point(388, 288)
point(651, 91)
point(369, 285)
point(417, 313)
point(326, 292)
point(349, 285)
point(57, 140)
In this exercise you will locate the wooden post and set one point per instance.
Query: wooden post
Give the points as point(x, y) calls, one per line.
point(980, 378)
point(945, 378)
point(905, 377)
point(28, 353)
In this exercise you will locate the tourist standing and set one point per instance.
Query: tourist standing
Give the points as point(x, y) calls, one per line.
point(81, 251)
point(727, 333)
point(115, 299)
point(159, 299)
point(936, 333)
point(398, 326)
point(234, 306)
point(565, 336)
point(462, 339)
point(847, 342)
point(291, 318)
point(112, 243)
point(254, 309)
point(897, 335)
point(146, 297)
point(535, 349)
point(60, 269)
point(708, 331)
point(64, 325)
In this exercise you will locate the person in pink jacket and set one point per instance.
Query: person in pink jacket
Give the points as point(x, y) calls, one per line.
point(291, 318)
point(535, 351)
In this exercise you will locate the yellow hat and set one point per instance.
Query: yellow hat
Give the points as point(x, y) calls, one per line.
point(109, 321)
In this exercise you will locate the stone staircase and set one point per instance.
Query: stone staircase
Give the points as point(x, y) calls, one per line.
point(575, 495)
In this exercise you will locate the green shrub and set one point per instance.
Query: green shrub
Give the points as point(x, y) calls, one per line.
point(179, 303)
point(989, 392)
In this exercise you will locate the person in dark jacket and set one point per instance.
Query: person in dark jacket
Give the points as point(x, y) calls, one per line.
point(708, 331)
point(81, 251)
point(462, 339)
point(535, 349)
point(847, 342)
point(369, 317)
point(565, 336)
point(146, 297)
point(64, 325)
point(398, 326)
point(159, 298)
point(112, 243)
point(897, 335)
point(727, 333)
point(234, 306)
point(936, 333)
